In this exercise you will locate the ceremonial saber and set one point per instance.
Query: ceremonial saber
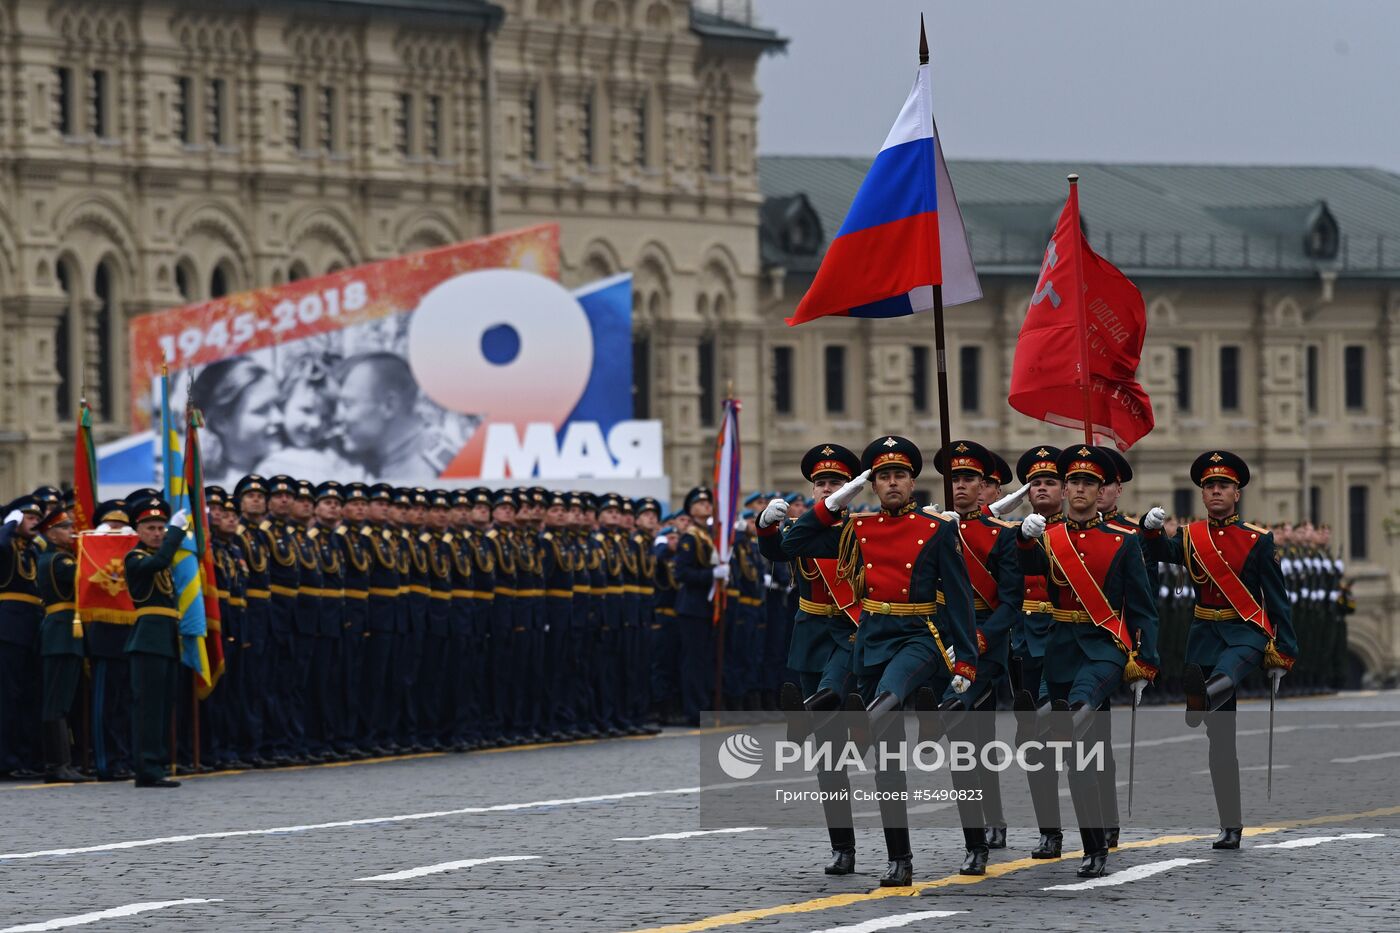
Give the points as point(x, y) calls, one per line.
point(1132, 751)
point(1274, 676)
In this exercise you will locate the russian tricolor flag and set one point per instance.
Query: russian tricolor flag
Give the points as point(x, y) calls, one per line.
point(904, 233)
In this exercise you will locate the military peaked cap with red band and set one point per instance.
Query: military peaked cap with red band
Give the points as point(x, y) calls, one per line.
point(830, 458)
point(1038, 461)
point(964, 457)
point(1122, 469)
point(1083, 460)
point(1000, 472)
point(892, 451)
point(1219, 464)
point(149, 510)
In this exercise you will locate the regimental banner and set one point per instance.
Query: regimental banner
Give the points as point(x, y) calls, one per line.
point(100, 583)
point(455, 365)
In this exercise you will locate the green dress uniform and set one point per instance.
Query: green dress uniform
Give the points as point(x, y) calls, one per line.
point(154, 650)
point(61, 649)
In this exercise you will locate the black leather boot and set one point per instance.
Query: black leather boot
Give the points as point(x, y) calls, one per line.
point(799, 724)
point(1111, 837)
point(1203, 694)
point(824, 706)
point(1229, 838)
point(860, 731)
point(1024, 705)
point(58, 761)
point(1095, 861)
point(883, 716)
point(926, 707)
point(1051, 844)
point(899, 873)
point(996, 837)
point(843, 852)
point(975, 861)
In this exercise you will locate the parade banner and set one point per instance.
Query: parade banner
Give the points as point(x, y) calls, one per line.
point(100, 583)
point(460, 364)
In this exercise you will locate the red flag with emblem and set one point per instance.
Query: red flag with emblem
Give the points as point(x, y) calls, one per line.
point(1081, 343)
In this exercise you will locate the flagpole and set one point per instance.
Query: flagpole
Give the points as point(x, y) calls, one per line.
point(1084, 382)
point(940, 344)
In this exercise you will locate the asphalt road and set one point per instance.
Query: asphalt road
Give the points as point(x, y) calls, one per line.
point(556, 838)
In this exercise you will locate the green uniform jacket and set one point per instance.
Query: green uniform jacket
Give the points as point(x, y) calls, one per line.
point(57, 571)
point(152, 590)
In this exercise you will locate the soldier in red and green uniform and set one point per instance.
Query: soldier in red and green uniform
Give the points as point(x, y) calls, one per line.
point(917, 621)
point(1243, 619)
point(820, 647)
point(1105, 630)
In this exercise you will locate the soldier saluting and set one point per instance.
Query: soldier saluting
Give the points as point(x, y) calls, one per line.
point(1242, 617)
point(917, 621)
point(60, 644)
point(820, 646)
point(154, 643)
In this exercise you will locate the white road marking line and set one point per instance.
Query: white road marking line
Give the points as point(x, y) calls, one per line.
point(1359, 758)
point(341, 824)
point(1388, 724)
point(1136, 873)
point(62, 923)
point(1248, 768)
point(889, 923)
point(446, 866)
point(921, 808)
point(1308, 842)
point(691, 834)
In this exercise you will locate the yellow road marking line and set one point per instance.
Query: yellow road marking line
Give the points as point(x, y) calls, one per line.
point(994, 870)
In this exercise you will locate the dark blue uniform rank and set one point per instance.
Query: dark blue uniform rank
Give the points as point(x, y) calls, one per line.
point(356, 557)
point(694, 572)
point(20, 613)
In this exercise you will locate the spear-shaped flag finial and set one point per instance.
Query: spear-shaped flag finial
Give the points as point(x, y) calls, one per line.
point(923, 42)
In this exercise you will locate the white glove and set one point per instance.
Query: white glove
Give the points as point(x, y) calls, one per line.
point(767, 581)
point(960, 684)
point(1137, 687)
point(1008, 503)
point(180, 519)
point(773, 513)
point(952, 657)
point(1275, 675)
point(950, 516)
point(1033, 526)
point(721, 572)
point(1155, 518)
point(14, 518)
point(844, 496)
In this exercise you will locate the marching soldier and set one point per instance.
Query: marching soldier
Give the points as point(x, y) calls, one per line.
point(1030, 633)
point(384, 623)
point(1242, 616)
point(154, 644)
point(1105, 619)
point(21, 611)
point(60, 645)
point(993, 570)
point(820, 648)
point(697, 573)
point(917, 621)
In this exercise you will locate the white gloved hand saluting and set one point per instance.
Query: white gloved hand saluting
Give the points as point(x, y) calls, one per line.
point(180, 519)
point(722, 572)
point(14, 518)
point(844, 496)
point(960, 684)
point(1155, 518)
point(1008, 503)
point(773, 513)
point(1033, 526)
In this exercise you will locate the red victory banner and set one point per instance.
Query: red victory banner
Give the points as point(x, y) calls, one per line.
point(1080, 346)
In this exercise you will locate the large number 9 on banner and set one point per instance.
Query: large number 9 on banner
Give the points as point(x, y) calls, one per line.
point(509, 346)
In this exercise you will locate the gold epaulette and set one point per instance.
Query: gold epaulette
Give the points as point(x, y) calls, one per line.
point(1001, 521)
point(367, 531)
point(313, 533)
point(491, 534)
point(1123, 528)
point(240, 528)
point(341, 530)
point(1259, 528)
point(424, 538)
point(547, 536)
point(265, 525)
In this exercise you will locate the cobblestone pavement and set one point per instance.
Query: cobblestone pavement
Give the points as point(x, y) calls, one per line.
point(550, 838)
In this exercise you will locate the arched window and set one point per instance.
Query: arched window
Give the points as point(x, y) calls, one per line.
point(218, 282)
point(297, 272)
point(185, 279)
